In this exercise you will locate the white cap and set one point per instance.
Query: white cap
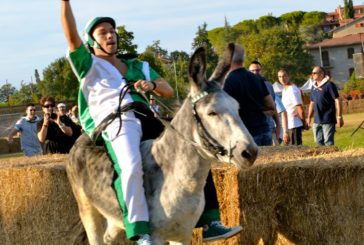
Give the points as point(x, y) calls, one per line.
point(61, 105)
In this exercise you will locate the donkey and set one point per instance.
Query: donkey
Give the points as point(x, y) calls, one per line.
point(206, 128)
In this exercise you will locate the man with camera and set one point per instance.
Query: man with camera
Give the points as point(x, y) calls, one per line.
point(54, 131)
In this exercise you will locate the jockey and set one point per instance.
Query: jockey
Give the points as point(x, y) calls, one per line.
point(103, 77)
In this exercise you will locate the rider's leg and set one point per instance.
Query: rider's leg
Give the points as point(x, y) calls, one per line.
point(125, 153)
point(213, 229)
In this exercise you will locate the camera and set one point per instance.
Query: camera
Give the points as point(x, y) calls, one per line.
point(51, 115)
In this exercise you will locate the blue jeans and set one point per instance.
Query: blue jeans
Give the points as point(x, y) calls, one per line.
point(324, 133)
point(263, 139)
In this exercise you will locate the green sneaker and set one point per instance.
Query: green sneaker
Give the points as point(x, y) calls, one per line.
point(217, 231)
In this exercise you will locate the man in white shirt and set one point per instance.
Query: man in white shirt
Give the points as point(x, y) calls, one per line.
point(292, 101)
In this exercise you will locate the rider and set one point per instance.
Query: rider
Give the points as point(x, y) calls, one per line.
point(102, 77)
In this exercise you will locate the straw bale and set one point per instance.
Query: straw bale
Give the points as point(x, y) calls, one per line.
point(315, 199)
point(310, 196)
point(4, 146)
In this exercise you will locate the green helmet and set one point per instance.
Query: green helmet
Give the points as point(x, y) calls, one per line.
point(90, 27)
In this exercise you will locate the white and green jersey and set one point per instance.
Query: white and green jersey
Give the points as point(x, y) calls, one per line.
point(100, 86)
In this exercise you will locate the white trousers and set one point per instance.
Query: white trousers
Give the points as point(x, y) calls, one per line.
point(126, 147)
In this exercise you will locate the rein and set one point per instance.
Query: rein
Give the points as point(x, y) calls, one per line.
point(208, 141)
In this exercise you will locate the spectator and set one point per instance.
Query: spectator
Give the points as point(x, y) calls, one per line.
point(74, 115)
point(253, 97)
point(76, 128)
point(27, 126)
point(54, 131)
point(155, 108)
point(292, 101)
point(275, 120)
point(325, 106)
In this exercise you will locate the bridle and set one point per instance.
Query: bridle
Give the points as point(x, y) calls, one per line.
point(208, 141)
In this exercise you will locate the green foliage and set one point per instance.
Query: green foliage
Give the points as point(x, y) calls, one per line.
point(292, 20)
point(153, 61)
point(59, 81)
point(354, 84)
point(245, 27)
point(125, 41)
point(177, 76)
point(202, 40)
point(348, 9)
point(313, 18)
point(156, 50)
point(266, 22)
point(6, 91)
point(276, 48)
point(310, 29)
point(26, 94)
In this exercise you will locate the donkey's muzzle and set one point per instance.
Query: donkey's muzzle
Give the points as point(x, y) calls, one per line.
point(250, 154)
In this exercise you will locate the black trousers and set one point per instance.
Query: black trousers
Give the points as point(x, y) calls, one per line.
point(152, 128)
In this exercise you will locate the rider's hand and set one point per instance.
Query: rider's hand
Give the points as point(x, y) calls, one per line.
point(143, 86)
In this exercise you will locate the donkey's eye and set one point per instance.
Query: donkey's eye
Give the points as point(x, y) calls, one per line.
point(212, 113)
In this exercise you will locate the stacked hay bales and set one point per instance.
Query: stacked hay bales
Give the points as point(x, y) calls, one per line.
point(315, 196)
point(290, 196)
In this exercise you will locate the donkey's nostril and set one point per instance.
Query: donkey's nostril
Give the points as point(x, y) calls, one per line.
point(250, 154)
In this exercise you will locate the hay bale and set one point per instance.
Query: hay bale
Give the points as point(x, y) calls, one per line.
point(36, 205)
point(4, 146)
point(314, 196)
point(317, 198)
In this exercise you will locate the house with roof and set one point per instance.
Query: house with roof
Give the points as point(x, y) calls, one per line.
point(336, 54)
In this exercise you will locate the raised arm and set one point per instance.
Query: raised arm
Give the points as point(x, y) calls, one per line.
point(69, 26)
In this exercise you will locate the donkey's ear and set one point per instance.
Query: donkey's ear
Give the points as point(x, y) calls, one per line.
point(223, 65)
point(197, 69)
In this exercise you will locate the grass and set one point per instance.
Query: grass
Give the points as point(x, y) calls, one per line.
point(11, 155)
point(343, 138)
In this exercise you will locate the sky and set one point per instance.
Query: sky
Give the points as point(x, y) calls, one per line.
point(32, 37)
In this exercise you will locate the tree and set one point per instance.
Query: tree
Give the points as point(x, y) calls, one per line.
point(153, 61)
point(201, 40)
point(348, 9)
point(156, 50)
point(246, 27)
point(351, 12)
point(125, 42)
point(292, 20)
point(267, 21)
point(37, 77)
point(175, 55)
point(6, 91)
point(310, 29)
point(59, 81)
point(26, 94)
point(276, 48)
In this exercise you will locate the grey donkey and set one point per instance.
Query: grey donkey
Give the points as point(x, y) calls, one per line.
point(206, 129)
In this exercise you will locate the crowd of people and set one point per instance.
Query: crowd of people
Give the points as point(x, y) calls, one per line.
point(271, 119)
point(274, 119)
point(54, 131)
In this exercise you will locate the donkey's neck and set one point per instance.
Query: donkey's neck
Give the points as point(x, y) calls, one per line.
point(177, 156)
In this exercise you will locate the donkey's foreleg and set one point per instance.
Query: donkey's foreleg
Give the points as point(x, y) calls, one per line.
point(112, 232)
point(92, 220)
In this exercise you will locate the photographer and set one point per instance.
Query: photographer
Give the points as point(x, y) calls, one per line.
point(54, 131)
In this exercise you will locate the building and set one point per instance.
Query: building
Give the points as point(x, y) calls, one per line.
point(336, 18)
point(336, 54)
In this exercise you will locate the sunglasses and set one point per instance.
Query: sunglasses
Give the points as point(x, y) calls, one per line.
point(32, 110)
point(48, 106)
